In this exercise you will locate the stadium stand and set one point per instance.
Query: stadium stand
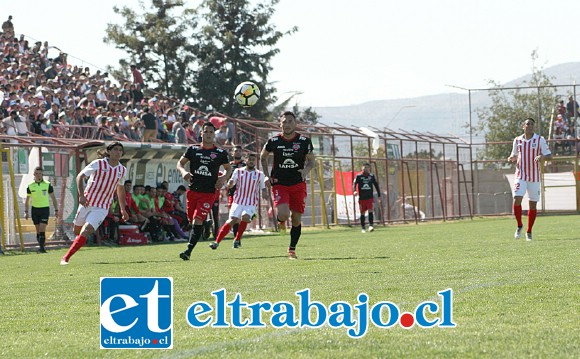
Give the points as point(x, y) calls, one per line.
point(52, 98)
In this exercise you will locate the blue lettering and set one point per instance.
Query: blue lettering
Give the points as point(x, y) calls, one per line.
point(314, 314)
point(363, 322)
point(340, 315)
point(376, 313)
point(256, 316)
point(283, 315)
point(236, 314)
point(220, 309)
point(447, 308)
point(432, 307)
point(193, 312)
point(306, 305)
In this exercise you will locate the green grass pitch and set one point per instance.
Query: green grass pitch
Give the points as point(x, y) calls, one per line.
point(512, 298)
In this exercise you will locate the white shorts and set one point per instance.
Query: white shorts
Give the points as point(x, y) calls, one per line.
point(533, 189)
point(238, 211)
point(91, 215)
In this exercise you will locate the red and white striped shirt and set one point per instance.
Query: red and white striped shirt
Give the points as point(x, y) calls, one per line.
point(103, 182)
point(248, 186)
point(526, 150)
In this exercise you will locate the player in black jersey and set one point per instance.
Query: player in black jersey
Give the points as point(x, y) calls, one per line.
point(293, 160)
point(363, 186)
point(204, 164)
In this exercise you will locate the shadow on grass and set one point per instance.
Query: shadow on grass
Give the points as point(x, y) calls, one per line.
point(250, 258)
point(342, 258)
point(139, 262)
point(306, 259)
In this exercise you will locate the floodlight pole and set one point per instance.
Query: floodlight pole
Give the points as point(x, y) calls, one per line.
point(470, 119)
point(539, 112)
point(470, 128)
point(470, 145)
point(398, 112)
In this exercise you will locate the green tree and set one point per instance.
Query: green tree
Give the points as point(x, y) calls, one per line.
point(425, 155)
point(502, 121)
point(158, 42)
point(306, 115)
point(364, 153)
point(236, 43)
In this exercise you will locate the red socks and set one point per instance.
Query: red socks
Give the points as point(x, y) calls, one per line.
point(531, 219)
point(223, 232)
point(75, 246)
point(518, 214)
point(226, 229)
point(241, 229)
point(532, 213)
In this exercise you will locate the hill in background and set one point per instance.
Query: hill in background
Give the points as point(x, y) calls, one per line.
point(441, 114)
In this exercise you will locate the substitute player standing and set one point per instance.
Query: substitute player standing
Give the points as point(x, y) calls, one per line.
point(248, 181)
point(204, 164)
point(528, 150)
point(105, 175)
point(293, 160)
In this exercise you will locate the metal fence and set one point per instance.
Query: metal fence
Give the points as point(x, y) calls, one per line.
point(422, 176)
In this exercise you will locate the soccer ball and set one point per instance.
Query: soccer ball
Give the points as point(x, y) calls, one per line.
point(247, 94)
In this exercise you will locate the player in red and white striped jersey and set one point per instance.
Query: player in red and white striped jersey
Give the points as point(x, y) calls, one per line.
point(105, 176)
point(249, 182)
point(528, 151)
point(236, 163)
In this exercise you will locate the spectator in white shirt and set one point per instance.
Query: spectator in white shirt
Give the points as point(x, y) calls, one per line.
point(221, 136)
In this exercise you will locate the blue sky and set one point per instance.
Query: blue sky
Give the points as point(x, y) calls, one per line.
point(350, 52)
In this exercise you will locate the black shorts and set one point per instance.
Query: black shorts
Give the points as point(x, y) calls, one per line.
point(40, 215)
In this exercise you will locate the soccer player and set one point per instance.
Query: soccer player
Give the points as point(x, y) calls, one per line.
point(178, 208)
point(204, 164)
point(238, 162)
point(249, 181)
point(105, 175)
point(135, 215)
point(164, 205)
point(293, 160)
point(38, 192)
point(363, 186)
point(528, 151)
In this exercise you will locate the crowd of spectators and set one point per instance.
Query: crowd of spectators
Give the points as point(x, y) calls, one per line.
point(41, 94)
point(564, 131)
